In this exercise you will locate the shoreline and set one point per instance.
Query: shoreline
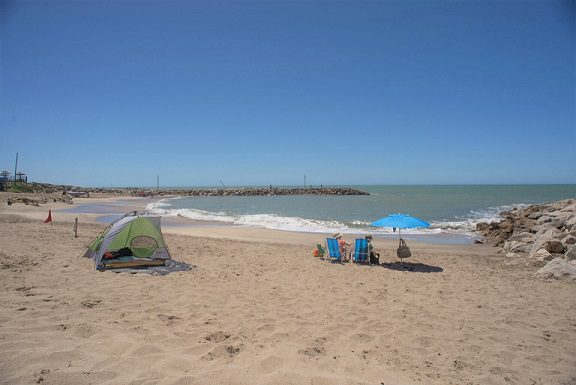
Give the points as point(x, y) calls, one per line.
point(91, 210)
point(113, 207)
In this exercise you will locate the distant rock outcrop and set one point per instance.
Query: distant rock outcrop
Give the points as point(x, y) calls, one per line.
point(46, 188)
point(26, 201)
point(542, 235)
point(253, 191)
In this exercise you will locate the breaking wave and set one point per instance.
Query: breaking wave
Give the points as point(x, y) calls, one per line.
point(464, 225)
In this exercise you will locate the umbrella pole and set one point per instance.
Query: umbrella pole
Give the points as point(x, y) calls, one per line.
point(399, 242)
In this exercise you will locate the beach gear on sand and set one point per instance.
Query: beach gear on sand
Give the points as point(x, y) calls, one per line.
point(333, 249)
point(361, 251)
point(319, 251)
point(401, 221)
point(403, 250)
point(133, 241)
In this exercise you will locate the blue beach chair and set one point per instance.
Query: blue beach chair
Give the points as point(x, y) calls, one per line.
point(333, 249)
point(361, 251)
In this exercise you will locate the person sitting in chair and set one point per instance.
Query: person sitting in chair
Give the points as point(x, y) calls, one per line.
point(342, 244)
point(374, 255)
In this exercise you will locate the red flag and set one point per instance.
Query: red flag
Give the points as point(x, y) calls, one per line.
point(49, 219)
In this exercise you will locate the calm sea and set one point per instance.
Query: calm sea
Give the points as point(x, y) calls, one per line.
point(451, 210)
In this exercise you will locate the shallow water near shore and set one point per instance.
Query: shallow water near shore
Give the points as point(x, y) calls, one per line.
point(452, 211)
point(114, 208)
point(449, 209)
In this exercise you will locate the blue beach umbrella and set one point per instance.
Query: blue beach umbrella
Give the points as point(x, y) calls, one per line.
point(400, 221)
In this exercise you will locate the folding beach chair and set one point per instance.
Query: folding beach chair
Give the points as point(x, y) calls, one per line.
point(320, 250)
point(333, 249)
point(361, 251)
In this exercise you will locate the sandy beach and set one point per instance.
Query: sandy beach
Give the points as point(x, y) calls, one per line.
point(257, 308)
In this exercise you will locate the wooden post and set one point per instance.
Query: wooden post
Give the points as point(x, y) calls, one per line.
point(75, 227)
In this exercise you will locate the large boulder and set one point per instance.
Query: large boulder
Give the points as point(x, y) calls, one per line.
point(571, 253)
point(558, 268)
point(571, 224)
point(516, 246)
point(541, 238)
point(568, 240)
point(543, 220)
point(554, 247)
point(524, 236)
point(543, 255)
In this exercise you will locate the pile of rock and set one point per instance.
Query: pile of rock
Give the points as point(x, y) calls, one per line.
point(542, 235)
point(48, 188)
point(26, 201)
point(63, 198)
point(251, 191)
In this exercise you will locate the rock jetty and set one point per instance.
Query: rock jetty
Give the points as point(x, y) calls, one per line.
point(543, 236)
point(251, 191)
point(46, 188)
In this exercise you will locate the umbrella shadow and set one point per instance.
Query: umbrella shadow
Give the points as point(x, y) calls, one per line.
point(413, 267)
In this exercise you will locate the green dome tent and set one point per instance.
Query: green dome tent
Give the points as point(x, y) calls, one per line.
point(134, 240)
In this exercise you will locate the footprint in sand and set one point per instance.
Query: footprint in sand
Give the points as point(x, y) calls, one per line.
point(218, 337)
point(83, 331)
point(168, 319)
point(26, 291)
point(459, 364)
point(89, 304)
point(223, 352)
point(316, 350)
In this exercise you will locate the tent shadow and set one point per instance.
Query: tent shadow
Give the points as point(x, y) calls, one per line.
point(413, 267)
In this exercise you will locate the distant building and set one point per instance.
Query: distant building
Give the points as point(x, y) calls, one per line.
point(21, 177)
point(4, 178)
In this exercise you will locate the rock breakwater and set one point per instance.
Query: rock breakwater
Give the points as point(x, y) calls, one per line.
point(252, 191)
point(46, 188)
point(542, 236)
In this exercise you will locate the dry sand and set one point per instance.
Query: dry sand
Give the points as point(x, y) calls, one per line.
point(257, 308)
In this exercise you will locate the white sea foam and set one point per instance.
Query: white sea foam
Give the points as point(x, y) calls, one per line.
point(463, 225)
point(467, 224)
point(158, 205)
point(269, 221)
point(198, 215)
point(275, 222)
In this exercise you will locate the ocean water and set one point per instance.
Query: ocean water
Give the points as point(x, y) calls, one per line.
point(451, 210)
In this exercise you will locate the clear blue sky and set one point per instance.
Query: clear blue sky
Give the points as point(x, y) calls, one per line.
point(114, 93)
